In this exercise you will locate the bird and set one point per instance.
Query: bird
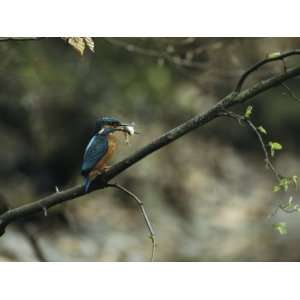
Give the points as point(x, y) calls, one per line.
point(100, 148)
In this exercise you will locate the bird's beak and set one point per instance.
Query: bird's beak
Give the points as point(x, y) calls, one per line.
point(126, 128)
point(123, 127)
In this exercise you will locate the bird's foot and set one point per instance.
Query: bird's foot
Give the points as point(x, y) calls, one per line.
point(106, 168)
point(100, 172)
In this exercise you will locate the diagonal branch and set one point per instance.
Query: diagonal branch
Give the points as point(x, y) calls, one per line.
point(143, 211)
point(199, 120)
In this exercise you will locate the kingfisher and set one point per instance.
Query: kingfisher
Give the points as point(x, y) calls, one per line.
point(101, 148)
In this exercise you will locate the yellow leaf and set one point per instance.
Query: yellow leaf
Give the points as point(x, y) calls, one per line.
point(77, 43)
point(90, 43)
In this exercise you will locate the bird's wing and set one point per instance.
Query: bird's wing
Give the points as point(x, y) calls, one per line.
point(95, 150)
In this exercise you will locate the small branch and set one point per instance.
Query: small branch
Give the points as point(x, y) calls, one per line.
point(267, 157)
point(290, 92)
point(20, 39)
point(264, 62)
point(284, 67)
point(156, 54)
point(288, 210)
point(144, 213)
point(285, 208)
point(240, 118)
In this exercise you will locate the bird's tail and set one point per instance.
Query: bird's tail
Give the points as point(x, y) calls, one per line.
point(87, 183)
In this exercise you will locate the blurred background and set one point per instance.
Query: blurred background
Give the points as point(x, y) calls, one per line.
point(209, 195)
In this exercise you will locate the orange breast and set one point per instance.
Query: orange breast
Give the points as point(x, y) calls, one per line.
point(102, 163)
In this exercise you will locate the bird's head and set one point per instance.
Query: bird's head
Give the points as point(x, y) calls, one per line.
point(106, 122)
point(109, 122)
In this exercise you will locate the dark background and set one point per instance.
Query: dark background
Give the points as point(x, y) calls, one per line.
point(208, 195)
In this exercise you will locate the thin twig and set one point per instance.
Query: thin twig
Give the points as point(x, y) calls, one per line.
point(267, 157)
point(144, 213)
point(290, 92)
point(288, 210)
point(285, 208)
point(279, 56)
point(284, 67)
point(20, 39)
point(274, 212)
point(156, 53)
point(240, 118)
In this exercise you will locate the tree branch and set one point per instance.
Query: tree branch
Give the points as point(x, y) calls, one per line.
point(156, 54)
point(270, 58)
point(100, 182)
point(20, 39)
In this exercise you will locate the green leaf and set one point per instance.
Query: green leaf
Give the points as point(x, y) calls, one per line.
point(276, 188)
point(281, 228)
point(284, 182)
point(262, 130)
point(248, 112)
point(274, 146)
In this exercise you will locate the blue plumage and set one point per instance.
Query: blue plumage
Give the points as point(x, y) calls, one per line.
point(96, 149)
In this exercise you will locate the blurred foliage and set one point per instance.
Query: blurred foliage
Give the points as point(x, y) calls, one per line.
point(49, 100)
